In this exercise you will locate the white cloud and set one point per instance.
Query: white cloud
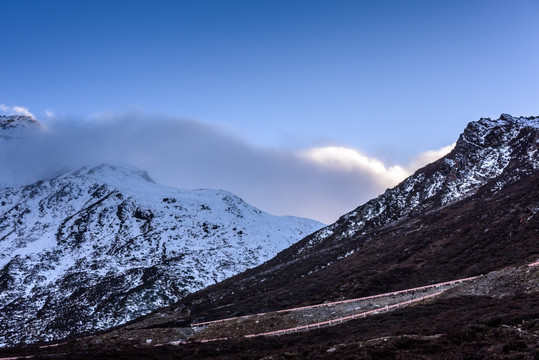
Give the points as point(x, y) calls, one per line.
point(49, 114)
point(352, 160)
point(15, 110)
point(348, 159)
point(22, 111)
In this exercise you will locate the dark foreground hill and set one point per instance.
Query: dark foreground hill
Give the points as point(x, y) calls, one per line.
point(472, 212)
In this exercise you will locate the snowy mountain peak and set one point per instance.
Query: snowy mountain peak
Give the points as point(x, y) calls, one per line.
point(491, 133)
point(15, 126)
point(506, 117)
point(8, 122)
point(118, 174)
point(531, 120)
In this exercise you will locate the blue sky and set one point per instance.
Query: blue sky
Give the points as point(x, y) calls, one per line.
point(389, 79)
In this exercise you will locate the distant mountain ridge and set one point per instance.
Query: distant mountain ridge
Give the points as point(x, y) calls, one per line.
point(95, 247)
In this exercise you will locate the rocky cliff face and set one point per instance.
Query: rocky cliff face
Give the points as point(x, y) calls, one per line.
point(95, 247)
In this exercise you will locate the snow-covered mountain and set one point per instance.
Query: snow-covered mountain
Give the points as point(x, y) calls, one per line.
point(95, 247)
point(14, 126)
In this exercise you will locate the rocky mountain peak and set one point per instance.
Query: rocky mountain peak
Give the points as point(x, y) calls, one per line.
point(493, 133)
point(119, 173)
point(13, 126)
point(506, 117)
point(14, 121)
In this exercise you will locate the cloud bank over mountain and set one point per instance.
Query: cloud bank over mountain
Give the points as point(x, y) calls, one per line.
point(320, 183)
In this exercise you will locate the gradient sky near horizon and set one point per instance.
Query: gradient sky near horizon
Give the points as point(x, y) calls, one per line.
point(389, 80)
